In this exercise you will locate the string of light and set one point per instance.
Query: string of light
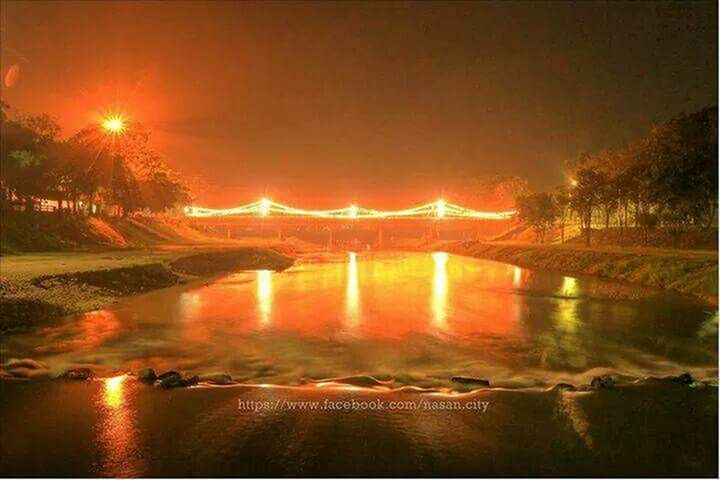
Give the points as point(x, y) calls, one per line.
point(266, 208)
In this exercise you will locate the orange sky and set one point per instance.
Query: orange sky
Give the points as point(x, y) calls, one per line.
point(385, 104)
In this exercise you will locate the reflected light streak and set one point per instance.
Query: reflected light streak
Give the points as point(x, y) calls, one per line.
point(569, 287)
point(352, 293)
point(567, 314)
point(264, 296)
point(439, 293)
point(113, 392)
point(117, 437)
point(517, 277)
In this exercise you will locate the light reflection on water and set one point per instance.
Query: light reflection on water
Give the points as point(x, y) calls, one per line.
point(117, 435)
point(440, 290)
point(264, 296)
point(417, 317)
point(352, 293)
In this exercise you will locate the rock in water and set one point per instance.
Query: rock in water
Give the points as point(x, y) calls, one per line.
point(471, 380)
point(147, 375)
point(28, 363)
point(217, 379)
point(168, 375)
point(564, 386)
point(684, 378)
point(175, 381)
point(78, 374)
point(603, 381)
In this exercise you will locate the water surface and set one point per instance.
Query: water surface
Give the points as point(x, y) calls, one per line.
point(418, 318)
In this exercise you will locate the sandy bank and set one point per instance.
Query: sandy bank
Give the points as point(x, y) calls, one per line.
point(38, 288)
point(692, 272)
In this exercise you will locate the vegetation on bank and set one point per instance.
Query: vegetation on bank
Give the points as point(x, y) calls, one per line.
point(687, 272)
point(78, 282)
point(667, 179)
point(95, 171)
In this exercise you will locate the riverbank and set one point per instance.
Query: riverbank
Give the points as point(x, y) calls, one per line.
point(686, 271)
point(120, 427)
point(37, 288)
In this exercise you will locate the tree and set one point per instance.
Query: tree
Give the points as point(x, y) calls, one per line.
point(682, 159)
point(27, 172)
point(539, 211)
point(585, 196)
point(160, 187)
point(561, 198)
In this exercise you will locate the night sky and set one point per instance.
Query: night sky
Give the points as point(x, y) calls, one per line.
point(386, 104)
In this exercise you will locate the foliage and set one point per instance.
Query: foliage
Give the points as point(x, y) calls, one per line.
point(539, 210)
point(670, 175)
point(92, 169)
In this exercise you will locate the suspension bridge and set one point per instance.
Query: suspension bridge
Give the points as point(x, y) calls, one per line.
point(428, 220)
point(268, 208)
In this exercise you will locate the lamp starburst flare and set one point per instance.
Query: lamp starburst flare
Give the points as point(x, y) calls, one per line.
point(114, 124)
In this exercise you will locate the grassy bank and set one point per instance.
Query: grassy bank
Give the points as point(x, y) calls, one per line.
point(52, 232)
point(40, 287)
point(693, 272)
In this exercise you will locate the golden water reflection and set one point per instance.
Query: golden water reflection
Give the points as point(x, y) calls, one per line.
point(440, 290)
point(117, 431)
point(567, 314)
point(113, 391)
point(352, 292)
point(414, 314)
point(264, 296)
point(517, 277)
point(569, 287)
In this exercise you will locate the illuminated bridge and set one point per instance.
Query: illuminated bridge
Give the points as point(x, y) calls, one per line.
point(267, 208)
point(266, 214)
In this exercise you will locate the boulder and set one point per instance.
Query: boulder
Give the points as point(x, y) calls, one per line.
point(78, 374)
point(602, 381)
point(471, 380)
point(147, 375)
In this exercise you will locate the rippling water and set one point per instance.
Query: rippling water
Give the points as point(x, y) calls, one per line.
point(418, 318)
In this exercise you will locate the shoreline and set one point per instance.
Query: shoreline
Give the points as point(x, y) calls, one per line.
point(39, 288)
point(692, 272)
point(187, 268)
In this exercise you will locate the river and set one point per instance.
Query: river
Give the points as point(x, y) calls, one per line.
point(416, 318)
point(409, 319)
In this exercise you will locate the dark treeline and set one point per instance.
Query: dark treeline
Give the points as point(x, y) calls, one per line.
point(94, 171)
point(667, 179)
